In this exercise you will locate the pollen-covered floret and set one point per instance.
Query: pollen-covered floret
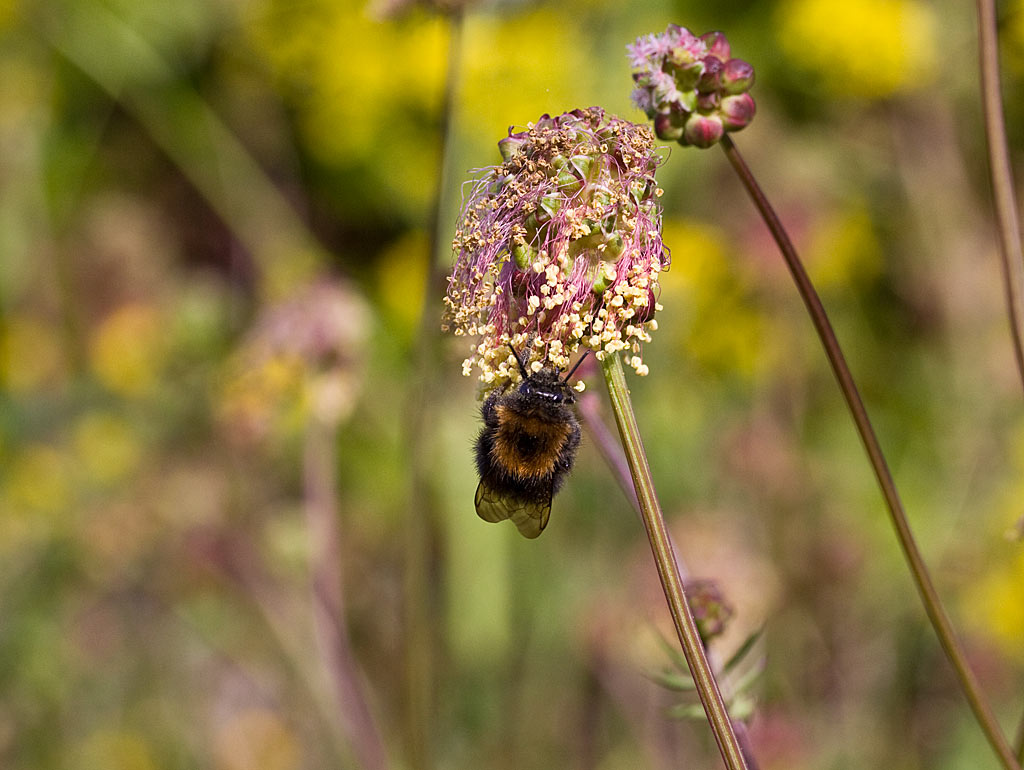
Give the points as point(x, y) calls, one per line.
point(690, 86)
point(559, 247)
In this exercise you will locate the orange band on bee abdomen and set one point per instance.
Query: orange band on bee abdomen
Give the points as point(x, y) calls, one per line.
point(527, 446)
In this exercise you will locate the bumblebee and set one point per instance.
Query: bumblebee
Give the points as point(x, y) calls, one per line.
point(526, 449)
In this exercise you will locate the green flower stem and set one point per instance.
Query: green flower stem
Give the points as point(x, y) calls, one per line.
point(422, 534)
point(668, 569)
point(1002, 177)
point(613, 455)
point(929, 596)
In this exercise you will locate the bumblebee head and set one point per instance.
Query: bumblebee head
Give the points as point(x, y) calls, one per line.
point(546, 385)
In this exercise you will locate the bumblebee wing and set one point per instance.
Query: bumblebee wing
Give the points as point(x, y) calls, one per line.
point(530, 517)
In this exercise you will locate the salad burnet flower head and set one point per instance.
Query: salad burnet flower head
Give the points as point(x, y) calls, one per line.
point(690, 86)
point(559, 247)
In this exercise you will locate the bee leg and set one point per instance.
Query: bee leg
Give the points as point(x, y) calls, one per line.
point(489, 411)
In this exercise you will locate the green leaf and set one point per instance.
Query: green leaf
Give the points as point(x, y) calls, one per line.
point(742, 708)
point(687, 711)
point(749, 679)
point(673, 652)
point(673, 681)
point(742, 651)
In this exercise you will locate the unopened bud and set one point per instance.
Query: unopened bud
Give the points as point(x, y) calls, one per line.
point(709, 102)
point(712, 70)
point(668, 127)
point(703, 130)
point(737, 111)
point(737, 76)
point(717, 45)
point(509, 146)
point(710, 610)
point(683, 80)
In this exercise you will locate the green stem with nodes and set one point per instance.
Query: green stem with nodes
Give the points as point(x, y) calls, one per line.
point(668, 568)
point(1002, 177)
point(929, 596)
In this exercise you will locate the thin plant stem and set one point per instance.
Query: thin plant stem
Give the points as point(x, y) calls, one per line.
point(1001, 174)
point(611, 452)
point(668, 570)
point(1019, 742)
point(1005, 200)
point(422, 527)
point(922, 579)
point(320, 482)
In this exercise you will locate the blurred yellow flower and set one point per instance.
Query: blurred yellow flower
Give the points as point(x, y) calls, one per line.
point(25, 78)
point(726, 330)
point(996, 603)
point(355, 82)
point(256, 739)
point(31, 354)
point(265, 397)
point(727, 335)
point(698, 255)
point(116, 750)
point(38, 480)
point(9, 13)
point(518, 67)
point(107, 448)
point(1013, 37)
point(401, 278)
point(1016, 453)
point(367, 92)
point(862, 48)
point(127, 350)
point(842, 249)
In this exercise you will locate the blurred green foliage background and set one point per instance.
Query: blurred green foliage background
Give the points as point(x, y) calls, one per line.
point(214, 237)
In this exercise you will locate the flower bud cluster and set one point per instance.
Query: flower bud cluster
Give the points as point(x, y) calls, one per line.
point(690, 86)
point(710, 611)
point(559, 247)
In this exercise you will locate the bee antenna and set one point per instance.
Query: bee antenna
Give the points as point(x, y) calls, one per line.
point(575, 366)
point(522, 367)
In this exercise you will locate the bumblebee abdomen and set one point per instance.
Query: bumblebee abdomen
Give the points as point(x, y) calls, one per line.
point(528, 446)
